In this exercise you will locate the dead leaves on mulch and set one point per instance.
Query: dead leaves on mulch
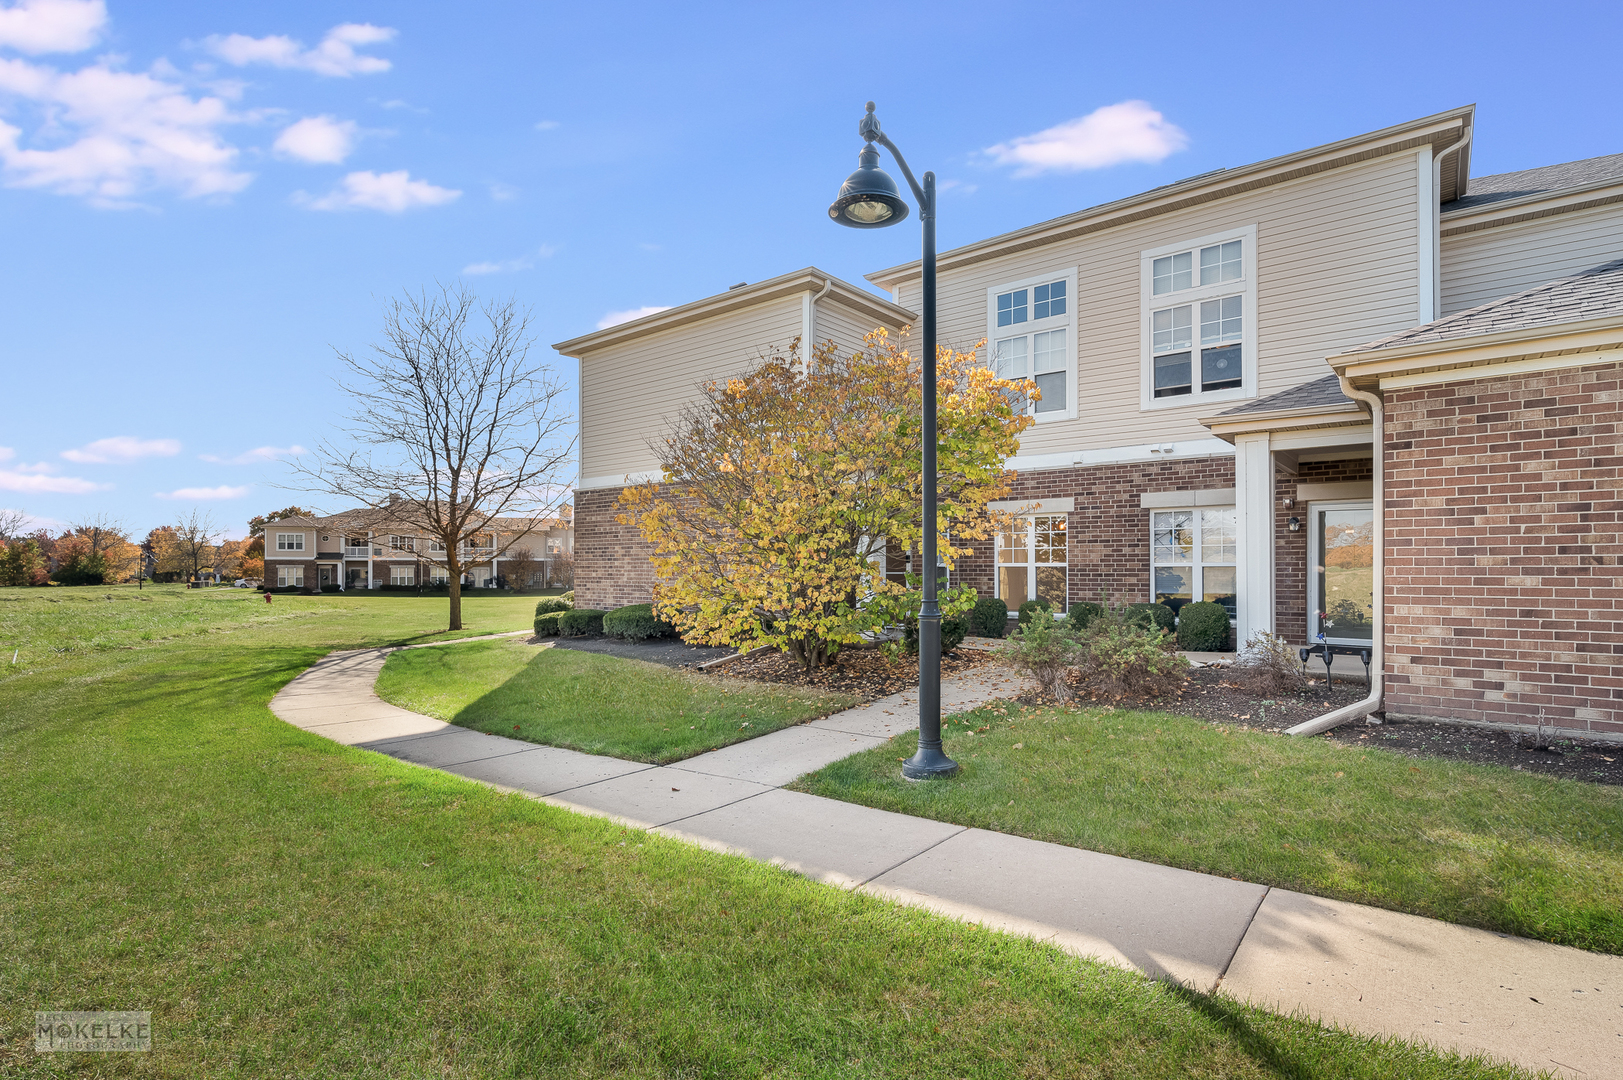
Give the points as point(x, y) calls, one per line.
point(865, 673)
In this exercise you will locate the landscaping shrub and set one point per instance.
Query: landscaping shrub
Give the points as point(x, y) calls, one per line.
point(580, 622)
point(954, 628)
point(1045, 649)
point(636, 622)
point(569, 596)
point(1083, 615)
point(989, 617)
point(1029, 609)
point(1269, 666)
point(1123, 658)
point(1203, 627)
point(1157, 615)
point(552, 603)
point(546, 623)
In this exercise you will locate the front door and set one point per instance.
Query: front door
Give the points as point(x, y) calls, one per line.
point(327, 573)
point(1341, 601)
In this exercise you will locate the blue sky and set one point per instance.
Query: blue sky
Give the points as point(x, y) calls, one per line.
point(200, 202)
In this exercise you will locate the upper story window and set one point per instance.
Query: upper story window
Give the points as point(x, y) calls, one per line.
point(289, 541)
point(436, 545)
point(555, 545)
point(1033, 334)
point(1199, 320)
point(481, 542)
point(403, 543)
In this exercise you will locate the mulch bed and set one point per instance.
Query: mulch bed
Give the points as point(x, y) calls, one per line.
point(865, 673)
point(1210, 695)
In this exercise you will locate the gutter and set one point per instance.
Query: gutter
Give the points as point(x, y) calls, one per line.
point(1377, 680)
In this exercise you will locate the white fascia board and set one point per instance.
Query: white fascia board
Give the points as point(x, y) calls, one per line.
point(1492, 371)
point(597, 483)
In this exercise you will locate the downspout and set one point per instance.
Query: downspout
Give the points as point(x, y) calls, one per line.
point(1456, 147)
point(808, 324)
point(1377, 675)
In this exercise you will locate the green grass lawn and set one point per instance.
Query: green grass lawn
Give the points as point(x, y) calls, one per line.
point(587, 701)
point(289, 907)
point(1476, 844)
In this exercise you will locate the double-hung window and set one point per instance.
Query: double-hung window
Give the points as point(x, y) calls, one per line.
point(402, 543)
point(402, 575)
point(1031, 561)
point(1032, 327)
point(1193, 555)
point(289, 541)
point(1199, 320)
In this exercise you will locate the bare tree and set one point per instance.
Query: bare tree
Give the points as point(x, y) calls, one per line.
point(191, 545)
point(456, 425)
point(11, 524)
point(522, 568)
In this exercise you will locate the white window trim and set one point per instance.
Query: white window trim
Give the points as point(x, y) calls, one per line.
point(1246, 287)
point(1028, 522)
point(289, 536)
point(1199, 562)
point(1069, 321)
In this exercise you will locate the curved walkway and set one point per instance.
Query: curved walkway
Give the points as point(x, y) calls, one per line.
point(1540, 1005)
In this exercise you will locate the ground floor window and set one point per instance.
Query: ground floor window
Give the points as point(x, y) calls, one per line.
point(289, 575)
point(439, 576)
point(402, 575)
point(1342, 555)
point(1031, 561)
point(1192, 555)
point(355, 577)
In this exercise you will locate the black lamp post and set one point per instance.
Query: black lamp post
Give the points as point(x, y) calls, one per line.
point(869, 200)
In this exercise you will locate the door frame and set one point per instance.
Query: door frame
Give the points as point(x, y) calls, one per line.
point(1315, 543)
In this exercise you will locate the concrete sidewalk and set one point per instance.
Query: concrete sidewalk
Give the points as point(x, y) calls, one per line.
point(1376, 971)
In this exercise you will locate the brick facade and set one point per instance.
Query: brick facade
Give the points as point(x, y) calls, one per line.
point(1108, 532)
point(1290, 548)
point(612, 566)
point(1504, 595)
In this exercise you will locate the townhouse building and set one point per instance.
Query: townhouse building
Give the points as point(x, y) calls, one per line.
point(1353, 394)
point(367, 551)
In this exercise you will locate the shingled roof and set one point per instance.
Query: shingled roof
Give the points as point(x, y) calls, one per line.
point(1319, 392)
point(1547, 178)
point(1593, 294)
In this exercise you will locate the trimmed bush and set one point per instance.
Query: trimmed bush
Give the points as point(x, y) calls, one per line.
point(1083, 615)
point(580, 622)
point(1157, 615)
point(1029, 609)
point(989, 617)
point(636, 622)
point(954, 628)
point(1203, 627)
point(569, 596)
point(551, 603)
point(546, 623)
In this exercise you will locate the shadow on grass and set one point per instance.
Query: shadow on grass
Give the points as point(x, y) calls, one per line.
point(1231, 1017)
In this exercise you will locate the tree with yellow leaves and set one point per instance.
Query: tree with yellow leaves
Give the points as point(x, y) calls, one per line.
point(780, 489)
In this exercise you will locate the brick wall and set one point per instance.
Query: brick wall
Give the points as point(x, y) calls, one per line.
point(611, 560)
point(1108, 533)
point(1290, 548)
point(1503, 590)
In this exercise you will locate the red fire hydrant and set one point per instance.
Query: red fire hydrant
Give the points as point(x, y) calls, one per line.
point(267, 597)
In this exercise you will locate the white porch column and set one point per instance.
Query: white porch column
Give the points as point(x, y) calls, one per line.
point(1254, 513)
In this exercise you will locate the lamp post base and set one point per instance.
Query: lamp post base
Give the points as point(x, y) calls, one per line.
point(928, 764)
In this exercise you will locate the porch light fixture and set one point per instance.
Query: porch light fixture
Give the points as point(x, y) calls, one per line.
point(1296, 524)
point(869, 200)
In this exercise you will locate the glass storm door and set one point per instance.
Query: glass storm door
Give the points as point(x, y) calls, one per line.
point(1342, 593)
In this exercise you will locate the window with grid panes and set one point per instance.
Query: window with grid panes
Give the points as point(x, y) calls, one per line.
point(1031, 339)
point(1193, 556)
point(1197, 320)
point(1031, 561)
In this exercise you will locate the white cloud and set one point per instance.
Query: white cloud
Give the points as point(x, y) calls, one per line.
point(335, 55)
point(1109, 135)
point(391, 192)
point(322, 140)
point(547, 125)
point(257, 455)
point(224, 491)
point(120, 449)
point(35, 481)
point(501, 192)
point(42, 26)
point(509, 266)
point(615, 318)
point(109, 135)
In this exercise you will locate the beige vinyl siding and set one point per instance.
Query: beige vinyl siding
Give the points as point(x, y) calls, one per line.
point(1489, 263)
point(845, 327)
point(628, 394)
point(1337, 264)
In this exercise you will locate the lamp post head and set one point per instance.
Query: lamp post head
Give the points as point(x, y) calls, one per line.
point(869, 198)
